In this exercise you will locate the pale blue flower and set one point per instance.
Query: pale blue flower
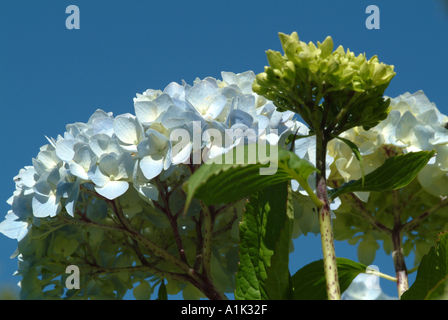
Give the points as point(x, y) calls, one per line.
point(13, 227)
point(20, 219)
point(26, 179)
point(129, 131)
point(104, 144)
point(177, 94)
point(150, 111)
point(143, 185)
point(47, 201)
point(83, 160)
point(111, 174)
point(365, 287)
point(205, 98)
point(243, 80)
point(68, 188)
point(154, 153)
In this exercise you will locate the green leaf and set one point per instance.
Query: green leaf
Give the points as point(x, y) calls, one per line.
point(230, 181)
point(71, 247)
point(397, 172)
point(265, 233)
point(431, 277)
point(358, 156)
point(278, 283)
point(440, 291)
point(142, 291)
point(162, 295)
point(309, 282)
point(293, 137)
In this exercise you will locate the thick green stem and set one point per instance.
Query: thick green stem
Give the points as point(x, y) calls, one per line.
point(397, 253)
point(399, 263)
point(326, 229)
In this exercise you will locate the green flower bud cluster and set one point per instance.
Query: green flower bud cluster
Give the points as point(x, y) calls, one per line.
point(350, 86)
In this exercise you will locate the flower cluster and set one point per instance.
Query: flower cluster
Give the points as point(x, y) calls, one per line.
point(110, 154)
point(69, 198)
point(413, 124)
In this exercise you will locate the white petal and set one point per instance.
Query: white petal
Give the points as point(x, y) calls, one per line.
point(148, 190)
point(263, 122)
point(294, 185)
point(128, 129)
point(272, 139)
point(422, 135)
point(434, 180)
point(146, 111)
point(405, 125)
point(229, 77)
point(64, 149)
point(113, 189)
point(151, 168)
point(200, 96)
point(335, 204)
point(125, 166)
point(42, 187)
point(440, 135)
point(48, 158)
point(240, 117)
point(175, 90)
point(84, 156)
point(45, 206)
point(97, 177)
point(102, 143)
point(109, 164)
point(79, 171)
point(163, 102)
point(156, 143)
point(247, 104)
point(216, 107)
point(70, 202)
point(398, 143)
point(183, 155)
point(14, 229)
point(103, 125)
point(29, 177)
point(301, 146)
point(246, 76)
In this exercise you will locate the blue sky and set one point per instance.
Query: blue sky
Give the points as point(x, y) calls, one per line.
point(52, 76)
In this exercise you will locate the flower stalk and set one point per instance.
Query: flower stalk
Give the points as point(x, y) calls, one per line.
point(397, 251)
point(399, 263)
point(326, 229)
